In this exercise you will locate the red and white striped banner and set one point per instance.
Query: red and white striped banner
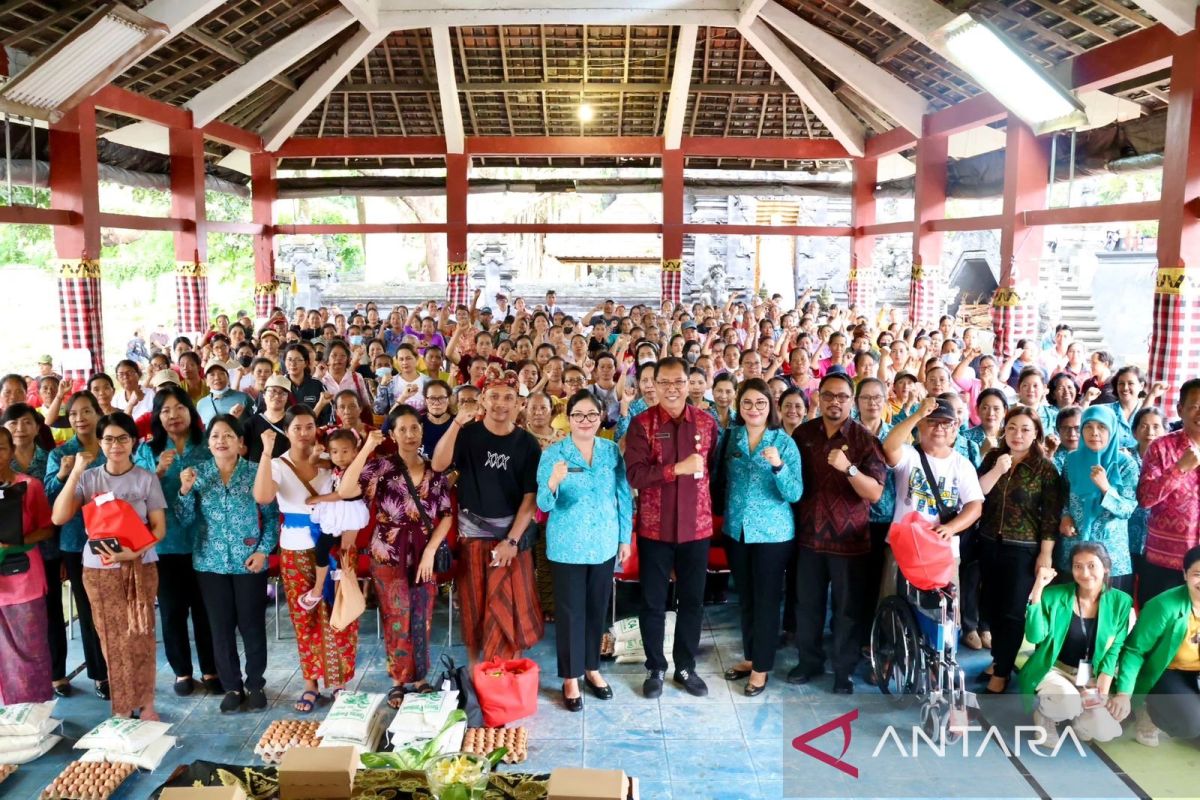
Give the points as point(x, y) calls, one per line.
point(860, 290)
point(1175, 338)
point(922, 296)
point(456, 284)
point(265, 299)
point(672, 281)
point(79, 308)
point(191, 297)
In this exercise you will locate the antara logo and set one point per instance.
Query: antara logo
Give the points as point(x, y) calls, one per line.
point(841, 723)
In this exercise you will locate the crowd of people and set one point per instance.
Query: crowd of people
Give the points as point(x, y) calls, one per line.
point(554, 449)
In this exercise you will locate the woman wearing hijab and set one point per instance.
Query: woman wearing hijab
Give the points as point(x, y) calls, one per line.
point(1101, 482)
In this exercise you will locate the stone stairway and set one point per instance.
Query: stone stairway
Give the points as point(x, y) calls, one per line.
point(1075, 305)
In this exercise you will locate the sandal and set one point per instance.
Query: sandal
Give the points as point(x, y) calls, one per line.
point(395, 696)
point(423, 687)
point(102, 690)
point(308, 602)
point(307, 701)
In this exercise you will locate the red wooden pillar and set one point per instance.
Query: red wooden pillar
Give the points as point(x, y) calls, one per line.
point(1026, 174)
point(191, 244)
point(929, 203)
point(457, 167)
point(861, 281)
point(75, 186)
point(672, 227)
point(264, 190)
point(1175, 340)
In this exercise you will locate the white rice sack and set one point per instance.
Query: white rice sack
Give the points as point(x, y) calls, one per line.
point(631, 651)
point(24, 719)
point(422, 715)
point(351, 716)
point(368, 744)
point(10, 744)
point(148, 759)
point(119, 735)
point(30, 753)
point(624, 630)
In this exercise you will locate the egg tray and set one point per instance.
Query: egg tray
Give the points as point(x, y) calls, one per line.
point(6, 770)
point(283, 735)
point(484, 740)
point(87, 780)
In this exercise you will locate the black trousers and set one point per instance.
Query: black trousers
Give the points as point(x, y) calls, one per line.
point(1174, 704)
point(758, 570)
point(179, 596)
point(789, 596)
point(581, 595)
point(93, 655)
point(1153, 580)
point(237, 604)
point(970, 576)
point(690, 564)
point(56, 631)
point(1008, 571)
point(872, 580)
point(843, 579)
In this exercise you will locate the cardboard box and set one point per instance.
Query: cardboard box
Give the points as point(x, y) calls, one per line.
point(588, 784)
point(203, 793)
point(317, 773)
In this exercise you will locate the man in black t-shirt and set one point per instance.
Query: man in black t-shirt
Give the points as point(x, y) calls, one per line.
point(497, 491)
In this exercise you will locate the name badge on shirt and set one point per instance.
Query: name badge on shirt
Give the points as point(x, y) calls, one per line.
point(666, 435)
point(1084, 675)
point(574, 469)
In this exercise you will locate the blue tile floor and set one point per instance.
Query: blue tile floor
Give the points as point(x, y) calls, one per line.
point(721, 747)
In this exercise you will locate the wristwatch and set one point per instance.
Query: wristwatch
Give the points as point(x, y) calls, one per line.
point(514, 542)
point(852, 472)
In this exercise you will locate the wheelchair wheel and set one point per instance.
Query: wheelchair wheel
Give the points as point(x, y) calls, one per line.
point(897, 659)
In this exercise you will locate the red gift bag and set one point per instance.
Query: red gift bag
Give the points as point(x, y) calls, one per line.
point(107, 517)
point(925, 559)
point(507, 690)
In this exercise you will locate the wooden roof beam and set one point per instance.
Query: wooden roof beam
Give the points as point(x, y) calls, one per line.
point(299, 105)
point(443, 57)
point(844, 126)
point(514, 13)
point(872, 83)
point(214, 101)
point(1178, 15)
point(918, 18)
point(365, 11)
point(681, 78)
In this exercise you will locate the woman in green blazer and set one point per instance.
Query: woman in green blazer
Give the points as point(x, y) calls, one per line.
point(1161, 661)
point(1077, 630)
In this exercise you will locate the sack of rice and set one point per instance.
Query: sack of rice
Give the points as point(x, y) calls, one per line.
point(632, 651)
point(421, 716)
point(630, 628)
point(24, 719)
point(30, 753)
point(351, 716)
point(148, 758)
point(120, 735)
point(368, 744)
point(10, 744)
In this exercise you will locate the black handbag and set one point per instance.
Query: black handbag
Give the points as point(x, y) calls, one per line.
point(719, 478)
point(459, 679)
point(443, 559)
point(15, 558)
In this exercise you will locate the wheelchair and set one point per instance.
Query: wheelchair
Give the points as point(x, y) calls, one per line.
point(914, 648)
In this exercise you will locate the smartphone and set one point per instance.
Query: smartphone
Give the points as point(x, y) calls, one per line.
point(112, 543)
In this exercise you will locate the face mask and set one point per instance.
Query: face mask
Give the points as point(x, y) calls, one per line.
point(951, 359)
point(245, 360)
point(383, 372)
point(646, 360)
point(692, 357)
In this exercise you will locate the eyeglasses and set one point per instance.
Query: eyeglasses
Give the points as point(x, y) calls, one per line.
point(1069, 429)
point(874, 399)
point(679, 384)
point(757, 405)
point(590, 416)
point(942, 423)
point(436, 398)
point(574, 380)
point(830, 397)
point(111, 440)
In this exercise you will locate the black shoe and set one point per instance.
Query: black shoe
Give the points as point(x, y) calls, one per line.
point(256, 699)
point(600, 692)
point(843, 686)
point(798, 676)
point(732, 674)
point(652, 686)
point(231, 702)
point(754, 691)
point(102, 690)
point(213, 685)
point(63, 689)
point(692, 682)
point(573, 703)
point(184, 686)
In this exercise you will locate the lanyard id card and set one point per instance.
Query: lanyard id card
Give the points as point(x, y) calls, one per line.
point(1084, 675)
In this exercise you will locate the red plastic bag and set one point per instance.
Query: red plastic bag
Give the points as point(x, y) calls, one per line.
point(107, 517)
point(507, 690)
point(925, 559)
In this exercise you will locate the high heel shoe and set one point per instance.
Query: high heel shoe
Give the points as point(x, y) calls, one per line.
point(600, 692)
point(754, 691)
point(572, 703)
